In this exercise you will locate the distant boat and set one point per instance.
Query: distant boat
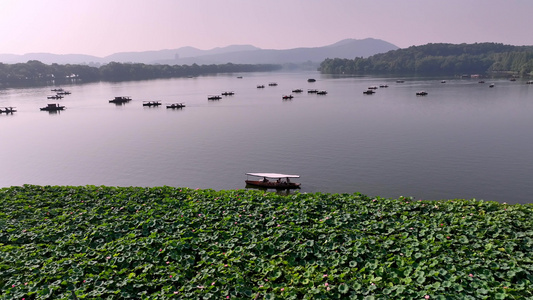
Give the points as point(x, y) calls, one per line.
point(311, 80)
point(368, 92)
point(228, 93)
point(297, 91)
point(260, 86)
point(312, 91)
point(176, 105)
point(400, 81)
point(53, 107)
point(491, 85)
point(481, 81)
point(421, 93)
point(7, 110)
point(373, 87)
point(215, 97)
point(120, 100)
point(383, 86)
point(321, 92)
point(272, 84)
point(443, 81)
point(529, 82)
point(286, 97)
point(54, 97)
point(151, 103)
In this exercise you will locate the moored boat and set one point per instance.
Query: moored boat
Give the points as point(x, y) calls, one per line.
point(214, 97)
point(176, 105)
point(53, 107)
point(323, 92)
point(368, 92)
point(120, 100)
point(273, 181)
point(286, 97)
point(7, 109)
point(297, 91)
point(422, 93)
point(151, 103)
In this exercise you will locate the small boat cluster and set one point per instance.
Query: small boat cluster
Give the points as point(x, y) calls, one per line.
point(54, 107)
point(60, 93)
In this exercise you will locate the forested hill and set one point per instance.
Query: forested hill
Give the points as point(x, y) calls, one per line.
point(439, 59)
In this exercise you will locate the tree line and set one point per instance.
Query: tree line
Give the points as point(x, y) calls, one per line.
point(439, 59)
point(35, 71)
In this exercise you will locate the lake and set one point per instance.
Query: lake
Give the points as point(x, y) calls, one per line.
point(462, 140)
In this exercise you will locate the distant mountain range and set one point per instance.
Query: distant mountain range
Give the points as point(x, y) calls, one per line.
point(238, 54)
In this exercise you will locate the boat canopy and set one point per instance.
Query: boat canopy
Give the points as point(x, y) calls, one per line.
point(273, 175)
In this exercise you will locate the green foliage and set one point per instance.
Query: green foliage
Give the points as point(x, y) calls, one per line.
point(102, 242)
point(439, 59)
point(35, 71)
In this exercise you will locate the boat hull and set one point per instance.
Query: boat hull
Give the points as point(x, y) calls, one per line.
point(273, 184)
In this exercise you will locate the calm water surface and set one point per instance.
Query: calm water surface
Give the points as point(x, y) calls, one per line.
point(463, 140)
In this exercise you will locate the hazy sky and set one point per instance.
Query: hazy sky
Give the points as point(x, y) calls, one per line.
point(103, 27)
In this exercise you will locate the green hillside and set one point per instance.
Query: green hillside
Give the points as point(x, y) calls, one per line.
point(439, 59)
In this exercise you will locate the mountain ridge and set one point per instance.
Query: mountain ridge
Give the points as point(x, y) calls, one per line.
point(242, 54)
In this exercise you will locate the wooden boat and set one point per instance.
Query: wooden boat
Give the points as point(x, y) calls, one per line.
point(228, 93)
point(273, 181)
point(54, 97)
point(120, 100)
point(64, 93)
point(321, 93)
point(312, 91)
point(383, 86)
point(151, 103)
point(260, 86)
point(7, 109)
point(422, 93)
point(176, 105)
point(286, 97)
point(373, 87)
point(272, 84)
point(53, 107)
point(215, 97)
point(297, 91)
point(368, 92)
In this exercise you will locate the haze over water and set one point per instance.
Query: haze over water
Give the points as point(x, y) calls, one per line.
point(463, 140)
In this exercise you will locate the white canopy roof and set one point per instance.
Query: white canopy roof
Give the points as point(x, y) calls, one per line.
point(273, 175)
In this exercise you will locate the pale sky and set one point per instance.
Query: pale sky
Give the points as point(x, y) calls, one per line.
point(104, 27)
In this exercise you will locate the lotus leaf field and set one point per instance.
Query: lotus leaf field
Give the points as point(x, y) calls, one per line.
point(98, 242)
